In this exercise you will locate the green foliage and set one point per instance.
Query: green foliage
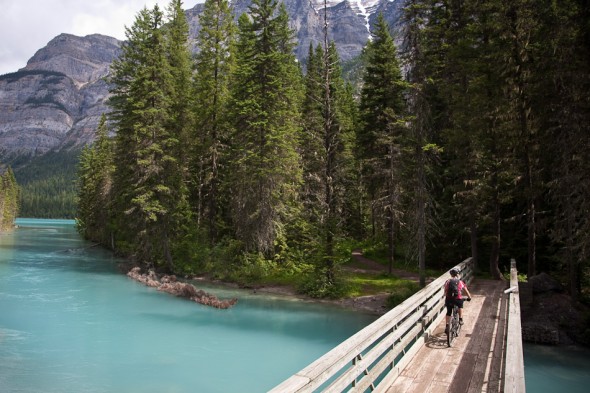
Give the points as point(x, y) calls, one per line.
point(151, 117)
point(402, 292)
point(326, 153)
point(95, 177)
point(14, 76)
point(521, 277)
point(9, 195)
point(208, 150)
point(321, 285)
point(383, 134)
point(263, 169)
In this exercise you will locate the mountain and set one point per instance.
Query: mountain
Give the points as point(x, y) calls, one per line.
point(349, 22)
point(54, 104)
point(57, 99)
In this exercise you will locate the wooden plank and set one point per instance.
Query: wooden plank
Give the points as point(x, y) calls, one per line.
point(402, 385)
point(467, 361)
point(440, 388)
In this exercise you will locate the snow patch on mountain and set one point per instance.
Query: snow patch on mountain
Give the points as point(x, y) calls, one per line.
point(365, 8)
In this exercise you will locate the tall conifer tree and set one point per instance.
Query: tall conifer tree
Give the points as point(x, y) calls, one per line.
point(383, 114)
point(265, 172)
point(95, 176)
point(147, 184)
point(566, 116)
point(326, 152)
point(214, 61)
point(420, 129)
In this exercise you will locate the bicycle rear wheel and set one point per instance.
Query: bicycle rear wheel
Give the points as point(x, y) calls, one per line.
point(453, 327)
point(450, 336)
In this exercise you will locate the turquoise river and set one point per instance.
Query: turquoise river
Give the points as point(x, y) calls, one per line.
point(70, 322)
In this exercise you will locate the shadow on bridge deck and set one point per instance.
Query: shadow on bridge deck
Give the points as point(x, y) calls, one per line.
point(475, 362)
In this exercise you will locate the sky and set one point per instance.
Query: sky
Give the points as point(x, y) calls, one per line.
point(28, 25)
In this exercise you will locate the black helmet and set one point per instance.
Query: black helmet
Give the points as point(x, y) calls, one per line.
point(454, 272)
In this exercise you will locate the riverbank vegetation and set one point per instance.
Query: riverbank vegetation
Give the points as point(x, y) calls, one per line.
point(470, 139)
point(9, 194)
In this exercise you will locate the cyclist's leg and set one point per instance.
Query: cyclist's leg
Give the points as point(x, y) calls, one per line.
point(449, 304)
point(459, 303)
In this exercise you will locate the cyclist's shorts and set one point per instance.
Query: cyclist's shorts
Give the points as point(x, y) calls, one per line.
point(451, 302)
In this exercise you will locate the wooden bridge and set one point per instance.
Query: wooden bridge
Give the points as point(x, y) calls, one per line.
point(406, 351)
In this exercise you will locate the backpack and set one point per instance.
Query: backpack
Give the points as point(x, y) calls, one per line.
point(453, 288)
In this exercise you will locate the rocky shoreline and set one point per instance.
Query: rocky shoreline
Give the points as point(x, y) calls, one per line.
point(549, 316)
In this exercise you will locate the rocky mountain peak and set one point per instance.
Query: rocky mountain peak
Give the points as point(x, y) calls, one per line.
point(84, 59)
point(58, 98)
point(363, 8)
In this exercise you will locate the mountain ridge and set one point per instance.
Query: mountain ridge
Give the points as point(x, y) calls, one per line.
point(56, 100)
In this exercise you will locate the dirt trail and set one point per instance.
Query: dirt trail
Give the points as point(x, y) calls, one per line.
point(370, 265)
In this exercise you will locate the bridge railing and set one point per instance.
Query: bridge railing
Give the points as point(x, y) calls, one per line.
point(375, 356)
point(514, 369)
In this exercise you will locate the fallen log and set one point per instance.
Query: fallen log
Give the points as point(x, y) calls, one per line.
point(169, 284)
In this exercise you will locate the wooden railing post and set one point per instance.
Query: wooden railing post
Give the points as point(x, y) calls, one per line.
point(514, 372)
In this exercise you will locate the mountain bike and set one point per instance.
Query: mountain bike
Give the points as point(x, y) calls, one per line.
point(454, 327)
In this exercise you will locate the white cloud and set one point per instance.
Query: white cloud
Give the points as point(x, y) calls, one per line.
point(28, 25)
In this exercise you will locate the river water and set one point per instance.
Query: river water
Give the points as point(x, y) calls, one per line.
point(70, 322)
point(550, 369)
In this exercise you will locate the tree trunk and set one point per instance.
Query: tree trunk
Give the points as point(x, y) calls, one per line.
point(421, 219)
point(473, 236)
point(496, 225)
point(530, 193)
point(391, 212)
point(390, 241)
point(573, 266)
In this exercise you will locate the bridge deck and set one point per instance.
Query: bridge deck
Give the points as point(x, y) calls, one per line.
point(475, 362)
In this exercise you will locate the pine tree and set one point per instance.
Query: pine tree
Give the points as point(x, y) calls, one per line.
point(214, 61)
point(311, 150)
point(420, 146)
point(468, 80)
point(456, 72)
point(149, 202)
point(462, 56)
point(176, 33)
point(521, 82)
point(173, 224)
point(95, 176)
point(264, 169)
point(327, 152)
point(566, 116)
point(383, 114)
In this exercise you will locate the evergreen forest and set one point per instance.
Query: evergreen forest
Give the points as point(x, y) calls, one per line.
point(467, 138)
point(48, 185)
point(9, 195)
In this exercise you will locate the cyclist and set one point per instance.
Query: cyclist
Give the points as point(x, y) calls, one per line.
point(455, 298)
